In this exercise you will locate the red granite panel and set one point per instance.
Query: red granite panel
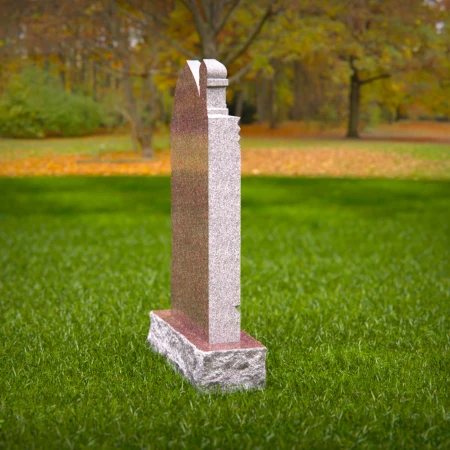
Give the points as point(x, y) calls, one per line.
point(189, 142)
point(194, 333)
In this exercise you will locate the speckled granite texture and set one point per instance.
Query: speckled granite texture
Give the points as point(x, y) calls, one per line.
point(231, 367)
point(201, 335)
point(206, 203)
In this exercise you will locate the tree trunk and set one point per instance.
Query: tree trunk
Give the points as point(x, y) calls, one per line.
point(94, 80)
point(271, 103)
point(354, 105)
point(82, 69)
point(239, 105)
point(261, 100)
point(71, 75)
point(142, 134)
point(62, 77)
point(299, 97)
point(62, 70)
point(145, 139)
point(400, 113)
point(147, 146)
point(209, 47)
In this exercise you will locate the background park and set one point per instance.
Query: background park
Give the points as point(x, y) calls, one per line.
point(345, 137)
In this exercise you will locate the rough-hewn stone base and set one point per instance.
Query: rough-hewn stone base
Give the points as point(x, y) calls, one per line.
point(229, 366)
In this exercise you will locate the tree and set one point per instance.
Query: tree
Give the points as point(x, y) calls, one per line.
point(218, 29)
point(377, 40)
point(121, 35)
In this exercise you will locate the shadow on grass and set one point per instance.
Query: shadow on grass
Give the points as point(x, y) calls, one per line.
point(72, 196)
point(367, 196)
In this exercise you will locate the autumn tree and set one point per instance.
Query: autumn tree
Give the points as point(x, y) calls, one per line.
point(218, 29)
point(294, 59)
point(137, 29)
point(377, 40)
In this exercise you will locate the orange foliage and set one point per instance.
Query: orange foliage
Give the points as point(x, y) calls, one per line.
point(403, 131)
point(107, 165)
point(329, 162)
point(322, 161)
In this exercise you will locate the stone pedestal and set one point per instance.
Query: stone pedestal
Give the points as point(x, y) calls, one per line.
point(207, 366)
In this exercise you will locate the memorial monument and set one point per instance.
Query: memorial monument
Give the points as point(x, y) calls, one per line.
point(201, 334)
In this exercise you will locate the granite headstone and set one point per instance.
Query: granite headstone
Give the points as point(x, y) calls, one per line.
point(201, 334)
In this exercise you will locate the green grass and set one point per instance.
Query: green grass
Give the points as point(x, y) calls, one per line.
point(346, 282)
point(92, 145)
point(431, 151)
point(18, 148)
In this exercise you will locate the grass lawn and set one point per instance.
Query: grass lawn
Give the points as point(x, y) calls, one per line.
point(269, 156)
point(431, 151)
point(95, 145)
point(91, 145)
point(347, 282)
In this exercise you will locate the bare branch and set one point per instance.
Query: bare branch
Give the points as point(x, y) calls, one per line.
point(238, 75)
point(377, 77)
point(193, 8)
point(187, 3)
point(206, 10)
point(157, 22)
point(175, 45)
point(246, 44)
point(227, 17)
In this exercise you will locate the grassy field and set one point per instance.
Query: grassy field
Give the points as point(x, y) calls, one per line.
point(271, 155)
point(95, 145)
point(433, 151)
point(347, 282)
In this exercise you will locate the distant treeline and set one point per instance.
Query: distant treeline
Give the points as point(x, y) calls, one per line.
point(74, 67)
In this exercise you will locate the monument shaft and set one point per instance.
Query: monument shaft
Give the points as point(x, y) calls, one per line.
point(206, 203)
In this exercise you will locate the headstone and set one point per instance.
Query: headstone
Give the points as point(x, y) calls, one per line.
point(201, 334)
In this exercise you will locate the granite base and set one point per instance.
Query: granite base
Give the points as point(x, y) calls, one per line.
point(230, 367)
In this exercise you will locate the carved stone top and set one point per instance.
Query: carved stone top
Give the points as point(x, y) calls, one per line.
point(216, 73)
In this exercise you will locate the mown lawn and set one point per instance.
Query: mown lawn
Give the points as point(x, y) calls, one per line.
point(429, 151)
point(347, 282)
point(95, 145)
